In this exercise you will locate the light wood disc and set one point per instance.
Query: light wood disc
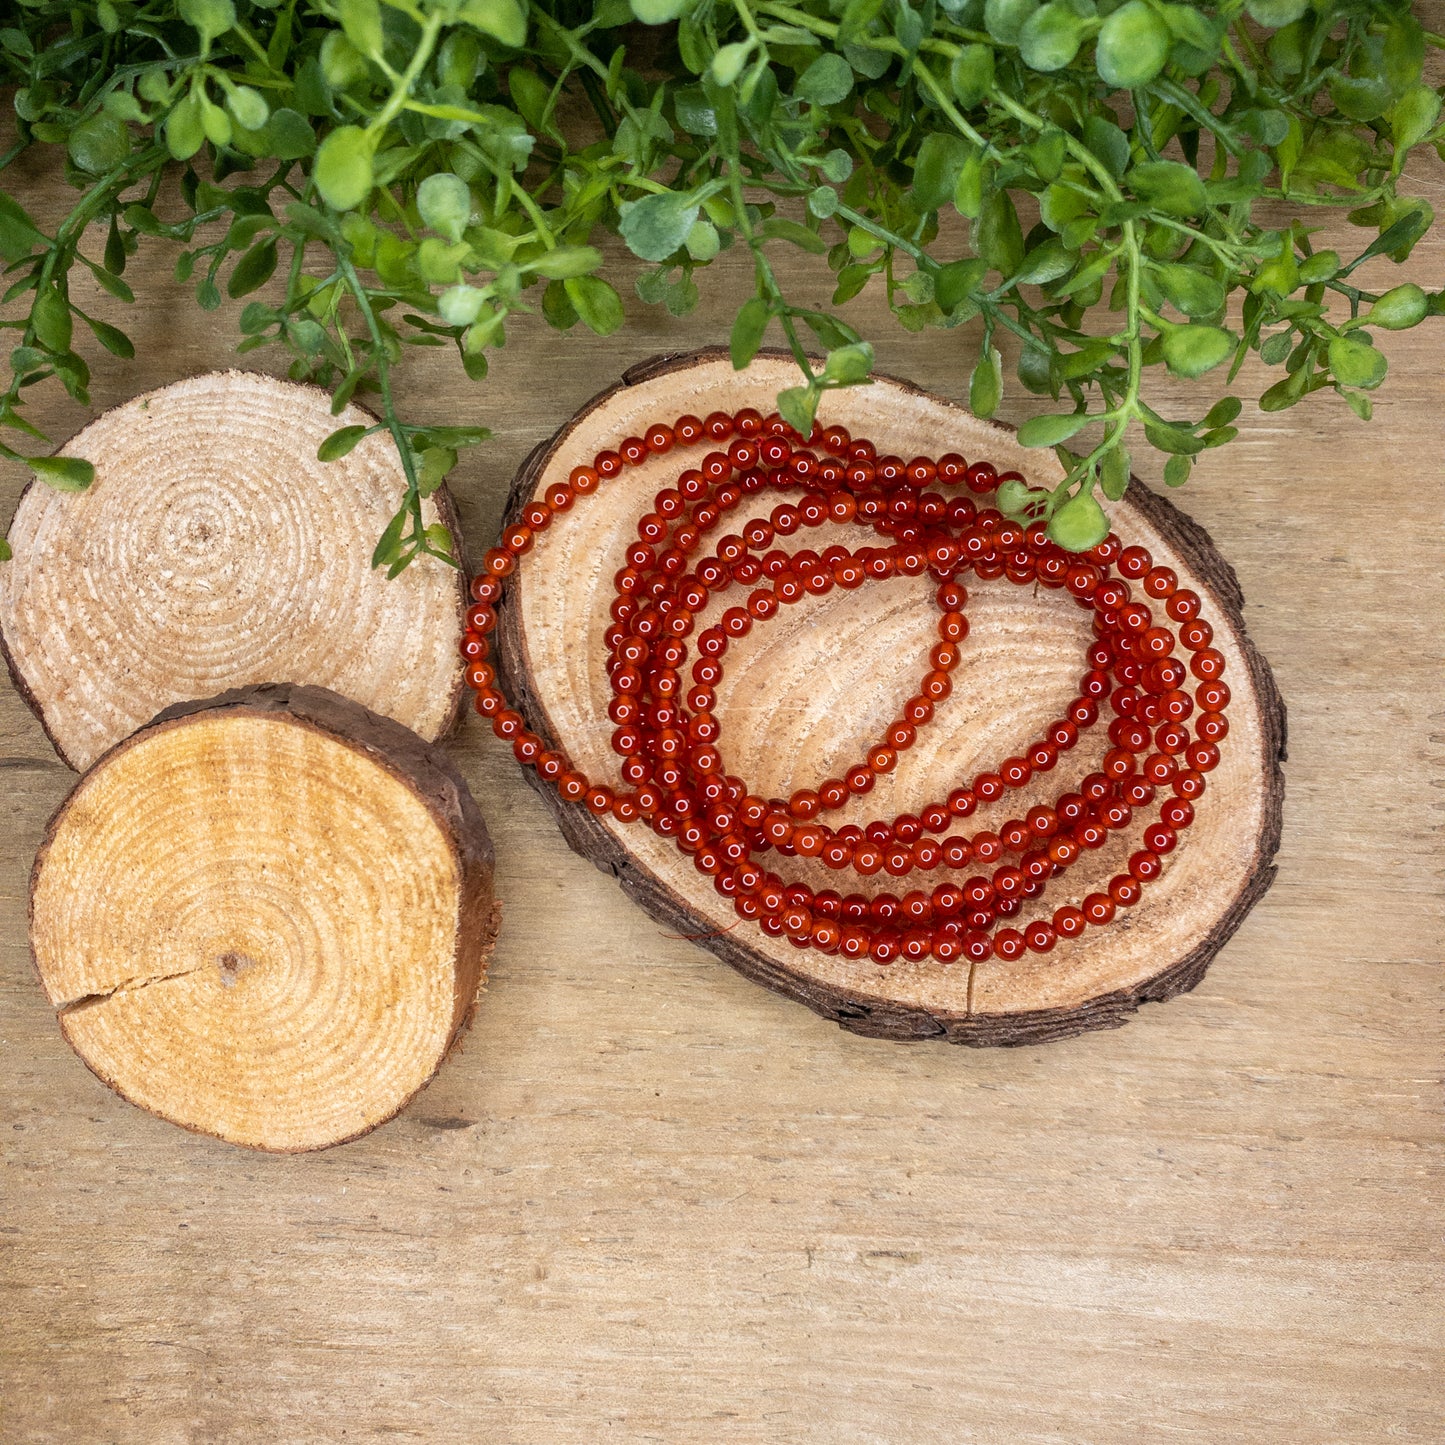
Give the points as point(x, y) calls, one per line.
point(213, 550)
point(266, 917)
point(808, 691)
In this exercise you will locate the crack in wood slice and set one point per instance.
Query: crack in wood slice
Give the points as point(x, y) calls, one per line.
point(214, 550)
point(805, 693)
point(266, 916)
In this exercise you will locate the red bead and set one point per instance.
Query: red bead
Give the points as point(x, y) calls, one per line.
point(1207, 663)
point(1134, 562)
point(981, 477)
point(1009, 944)
point(1125, 891)
point(1069, 922)
point(1040, 936)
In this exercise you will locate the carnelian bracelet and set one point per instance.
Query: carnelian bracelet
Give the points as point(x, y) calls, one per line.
point(667, 734)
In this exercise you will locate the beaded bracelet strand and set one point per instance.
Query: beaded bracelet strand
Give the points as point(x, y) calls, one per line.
point(667, 734)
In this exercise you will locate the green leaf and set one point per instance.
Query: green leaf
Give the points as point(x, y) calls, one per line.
point(254, 269)
point(780, 228)
point(728, 63)
point(1051, 36)
point(436, 462)
point(1005, 19)
point(659, 12)
point(1319, 267)
point(361, 20)
point(566, 261)
point(596, 303)
point(64, 474)
point(1114, 472)
point(388, 546)
point(748, 330)
point(1169, 186)
point(99, 144)
point(339, 443)
point(1190, 290)
point(1109, 143)
point(50, 316)
point(968, 193)
point(971, 74)
point(1279, 277)
point(848, 365)
point(1398, 239)
point(956, 281)
point(997, 236)
point(209, 17)
point(935, 171)
point(1080, 523)
point(114, 340)
point(1411, 118)
point(1222, 412)
point(1403, 307)
point(1049, 260)
point(531, 95)
point(1277, 13)
point(185, 134)
point(1173, 439)
point(343, 172)
point(1360, 404)
point(1015, 499)
point(1133, 45)
point(1193, 27)
point(1282, 394)
point(822, 201)
point(444, 203)
point(248, 107)
point(1192, 350)
point(1049, 431)
point(985, 385)
point(1355, 362)
point(215, 122)
point(5, 553)
point(504, 20)
point(657, 225)
point(798, 405)
point(18, 233)
point(828, 80)
point(1176, 470)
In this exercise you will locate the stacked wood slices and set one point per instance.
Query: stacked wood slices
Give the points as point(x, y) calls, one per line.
point(265, 911)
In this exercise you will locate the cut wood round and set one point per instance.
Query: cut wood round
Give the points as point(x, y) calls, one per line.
point(214, 550)
point(805, 694)
point(266, 916)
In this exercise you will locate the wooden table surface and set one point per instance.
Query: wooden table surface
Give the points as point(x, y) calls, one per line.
point(649, 1201)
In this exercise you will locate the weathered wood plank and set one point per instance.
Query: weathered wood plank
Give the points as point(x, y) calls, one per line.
point(649, 1201)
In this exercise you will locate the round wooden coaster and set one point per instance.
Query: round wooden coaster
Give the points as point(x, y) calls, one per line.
point(266, 917)
point(214, 550)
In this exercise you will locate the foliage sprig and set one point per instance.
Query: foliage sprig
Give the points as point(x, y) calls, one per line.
point(418, 172)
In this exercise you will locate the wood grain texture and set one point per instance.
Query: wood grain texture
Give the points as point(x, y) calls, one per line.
point(266, 916)
point(658, 1204)
point(824, 678)
point(213, 550)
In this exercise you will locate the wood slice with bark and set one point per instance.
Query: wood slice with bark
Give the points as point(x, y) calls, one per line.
point(806, 693)
point(214, 550)
point(266, 916)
